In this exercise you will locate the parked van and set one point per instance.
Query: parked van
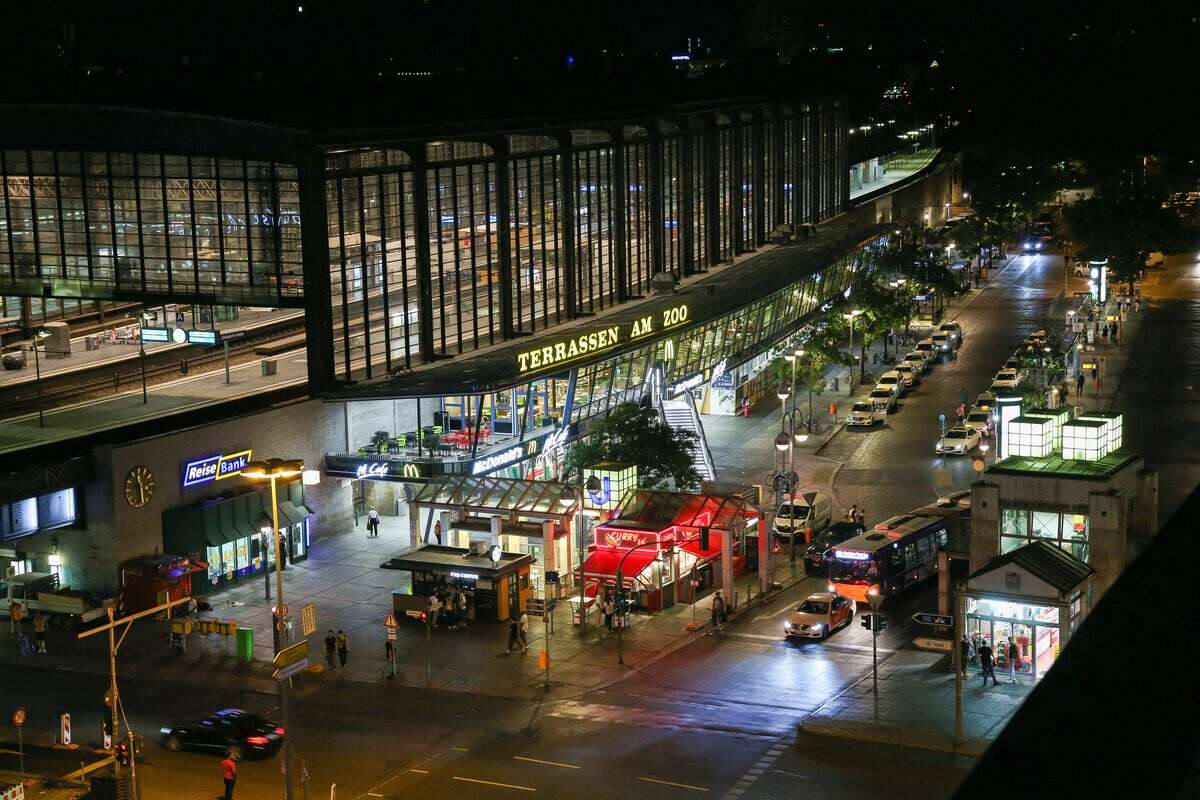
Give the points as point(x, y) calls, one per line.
point(808, 510)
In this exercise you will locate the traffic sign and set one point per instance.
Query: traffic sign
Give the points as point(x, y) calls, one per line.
point(413, 614)
point(284, 673)
point(933, 619)
point(292, 655)
point(19, 717)
point(64, 729)
point(392, 634)
point(281, 610)
point(391, 619)
point(308, 619)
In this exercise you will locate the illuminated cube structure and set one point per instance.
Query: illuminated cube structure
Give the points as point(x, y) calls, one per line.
point(1031, 436)
point(1085, 440)
point(1113, 431)
point(615, 480)
point(1058, 417)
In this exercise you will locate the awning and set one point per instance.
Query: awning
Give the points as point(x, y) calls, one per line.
point(292, 514)
point(603, 564)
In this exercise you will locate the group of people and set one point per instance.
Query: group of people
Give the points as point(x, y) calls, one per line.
point(336, 644)
point(855, 514)
point(518, 633)
point(39, 623)
point(987, 659)
point(448, 606)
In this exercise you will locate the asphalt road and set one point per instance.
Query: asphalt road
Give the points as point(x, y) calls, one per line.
point(892, 468)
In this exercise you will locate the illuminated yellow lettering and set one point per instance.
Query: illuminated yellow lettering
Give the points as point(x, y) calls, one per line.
point(560, 352)
point(547, 355)
point(613, 336)
point(523, 361)
point(593, 341)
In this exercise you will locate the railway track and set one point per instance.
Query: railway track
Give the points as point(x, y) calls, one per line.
point(107, 379)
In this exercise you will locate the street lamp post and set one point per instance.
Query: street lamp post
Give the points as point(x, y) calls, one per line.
point(273, 470)
point(850, 315)
point(265, 530)
point(142, 318)
point(620, 596)
point(37, 368)
point(592, 484)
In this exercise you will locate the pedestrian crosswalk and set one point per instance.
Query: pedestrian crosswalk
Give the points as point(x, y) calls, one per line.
point(766, 722)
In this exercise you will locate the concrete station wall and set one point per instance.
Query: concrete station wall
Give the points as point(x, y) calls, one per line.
point(115, 531)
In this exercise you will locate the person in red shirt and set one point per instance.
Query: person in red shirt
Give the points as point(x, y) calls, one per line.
point(229, 773)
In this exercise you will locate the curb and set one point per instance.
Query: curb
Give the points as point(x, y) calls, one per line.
point(866, 732)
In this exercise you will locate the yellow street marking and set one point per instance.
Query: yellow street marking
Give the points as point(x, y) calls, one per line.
point(459, 749)
point(547, 763)
point(421, 771)
point(374, 794)
point(493, 783)
point(672, 783)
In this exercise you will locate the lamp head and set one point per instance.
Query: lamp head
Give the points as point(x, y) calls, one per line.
point(593, 484)
point(800, 436)
point(273, 468)
point(782, 441)
point(784, 391)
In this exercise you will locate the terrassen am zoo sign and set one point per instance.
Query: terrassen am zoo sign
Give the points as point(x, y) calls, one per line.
point(588, 343)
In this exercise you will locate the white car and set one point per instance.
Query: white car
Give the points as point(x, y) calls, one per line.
point(883, 399)
point(865, 413)
point(953, 330)
point(977, 418)
point(942, 342)
point(910, 375)
point(927, 346)
point(958, 441)
point(891, 380)
point(819, 615)
point(918, 361)
point(1006, 379)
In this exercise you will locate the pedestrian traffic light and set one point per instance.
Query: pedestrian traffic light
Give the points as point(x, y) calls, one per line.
point(881, 622)
point(704, 538)
point(866, 621)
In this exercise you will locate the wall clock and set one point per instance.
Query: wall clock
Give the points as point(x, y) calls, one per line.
point(139, 486)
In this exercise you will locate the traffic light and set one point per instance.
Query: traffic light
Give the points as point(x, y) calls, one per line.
point(866, 621)
point(880, 622)
point(704, 538)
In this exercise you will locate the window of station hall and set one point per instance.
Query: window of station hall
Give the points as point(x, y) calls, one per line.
point(1069, 531)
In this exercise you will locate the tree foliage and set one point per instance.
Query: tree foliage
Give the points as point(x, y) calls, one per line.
point(1124, 222)
point(633, 435)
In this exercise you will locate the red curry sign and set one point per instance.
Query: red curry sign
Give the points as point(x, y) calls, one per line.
point(623, 538)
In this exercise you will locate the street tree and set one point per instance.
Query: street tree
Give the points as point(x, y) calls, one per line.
point(634, 435)
point(1123, 223)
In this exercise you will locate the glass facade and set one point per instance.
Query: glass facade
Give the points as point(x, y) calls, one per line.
point(441, 248)
point(96, 224)
point(1020, 526)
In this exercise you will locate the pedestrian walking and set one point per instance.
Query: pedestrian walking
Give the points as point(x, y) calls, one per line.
point(1104, 334)
point(1014, 655)
point(343, 647)
point(523, 630)
point(985, 662)
point(229, 774)
point(860, 515)
point(437, 531)
point(609, 609)
point(462, 609)
point(330, 650)
point(514, 632)
point(1079, 384)
point(964, 656)
point(745, 407)
point(963, 397)
point(962, 412)
point(40, 624)
point(1066, 390)
point(852, 513)
point(1095, 372)
point(1137, 305)
point(718, 611)
point(372, 523)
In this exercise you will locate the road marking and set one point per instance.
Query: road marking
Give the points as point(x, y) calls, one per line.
point(547, 763)
point(419, 771)
point(459, 749)
point(374, 794)
point(494, 783)
point(672, 783)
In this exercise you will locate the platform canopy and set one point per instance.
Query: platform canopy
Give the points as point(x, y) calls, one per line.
point(651, 510)
point(509, 496)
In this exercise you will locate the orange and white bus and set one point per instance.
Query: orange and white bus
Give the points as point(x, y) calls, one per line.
point(893, 555)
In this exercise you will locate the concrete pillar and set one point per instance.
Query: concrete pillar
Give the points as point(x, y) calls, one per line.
point(414, 530)
point(985, 524)
point(1145, 506)
point(943, 582)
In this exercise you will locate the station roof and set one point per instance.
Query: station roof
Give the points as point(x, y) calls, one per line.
point(650, 510)
point(1048, 562)
point(501, 495)
point(1056, 466)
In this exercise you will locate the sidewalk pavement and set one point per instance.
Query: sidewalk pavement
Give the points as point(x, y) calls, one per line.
point(342, 576)
point(915, 706)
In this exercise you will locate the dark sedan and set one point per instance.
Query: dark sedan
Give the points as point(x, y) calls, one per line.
point(816, 557)
point(231, 731)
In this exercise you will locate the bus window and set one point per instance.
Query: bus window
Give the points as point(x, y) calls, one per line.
point(926, 547)
point(911, 559)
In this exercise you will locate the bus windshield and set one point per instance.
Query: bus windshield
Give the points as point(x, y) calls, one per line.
point(843, 570)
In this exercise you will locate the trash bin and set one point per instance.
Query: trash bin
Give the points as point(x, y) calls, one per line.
point(245, 644)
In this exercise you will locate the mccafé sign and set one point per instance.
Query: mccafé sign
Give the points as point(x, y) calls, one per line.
point(581, 345)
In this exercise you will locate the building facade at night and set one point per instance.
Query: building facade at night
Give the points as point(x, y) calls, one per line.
point(472, 295)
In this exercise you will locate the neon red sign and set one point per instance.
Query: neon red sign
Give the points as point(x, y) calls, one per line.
point(624, 538)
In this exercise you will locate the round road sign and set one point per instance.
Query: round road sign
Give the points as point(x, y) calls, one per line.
point(978, 465)
point(281, 610)
point(19, 717)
